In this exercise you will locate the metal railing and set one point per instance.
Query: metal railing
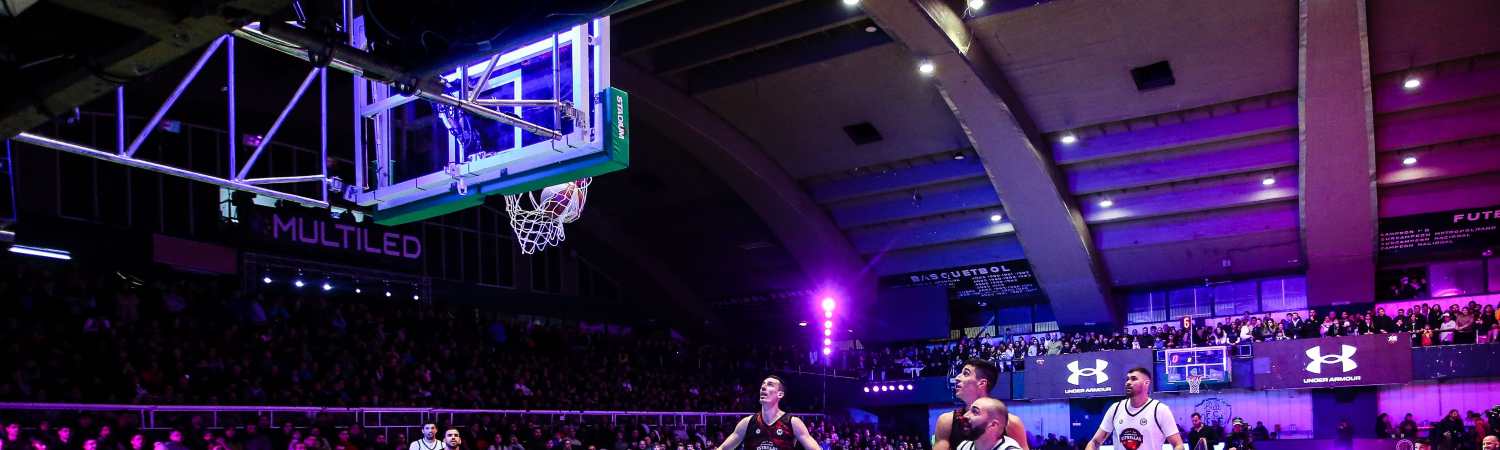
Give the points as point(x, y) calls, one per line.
point(377, 420)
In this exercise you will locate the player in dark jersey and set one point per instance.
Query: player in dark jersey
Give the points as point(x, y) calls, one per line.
point(974, 382)
point(772, 428)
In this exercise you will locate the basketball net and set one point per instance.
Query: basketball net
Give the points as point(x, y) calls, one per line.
point(538, 218)
point(1195, 384)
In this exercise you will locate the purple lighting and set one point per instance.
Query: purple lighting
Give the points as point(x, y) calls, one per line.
point(827, 351)
point(867, 389)
point(829, 303)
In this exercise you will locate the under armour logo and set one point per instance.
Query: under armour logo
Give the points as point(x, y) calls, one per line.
point(1319, 359)
point(1097, 372)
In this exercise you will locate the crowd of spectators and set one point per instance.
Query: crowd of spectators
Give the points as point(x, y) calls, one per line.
point(110, 338)
point(482, 432)
point(1429, 324)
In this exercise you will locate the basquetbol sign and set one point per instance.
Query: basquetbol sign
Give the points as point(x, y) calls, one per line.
point(994, 280)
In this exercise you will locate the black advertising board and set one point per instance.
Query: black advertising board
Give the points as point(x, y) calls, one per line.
point(311, 233)
point(1459, 232)
point(1079, 375)
point(1333, 361)
point(1010, 279)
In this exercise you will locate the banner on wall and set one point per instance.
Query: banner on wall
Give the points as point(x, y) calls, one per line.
point(1010, 279)
point(1333, 362)
point(311, 233)
point(1458, 232)
point(1080, 375)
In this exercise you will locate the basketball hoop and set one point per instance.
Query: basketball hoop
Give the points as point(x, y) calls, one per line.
point(1195, 384)
point(538, 218)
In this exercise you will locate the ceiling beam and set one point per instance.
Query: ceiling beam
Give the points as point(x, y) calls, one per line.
point(755, 33)
point(683, 21)
point(1047, 222)
point(168, 36)
point(809, 49)
point(804, 229)
point(1337, 153)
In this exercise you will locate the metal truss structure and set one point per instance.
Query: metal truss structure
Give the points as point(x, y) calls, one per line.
point(378, 88)
point(124, 152)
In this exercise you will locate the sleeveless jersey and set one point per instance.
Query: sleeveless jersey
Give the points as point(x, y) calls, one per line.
point(1006, 443)
point(955, 432)
point(775, 436)
point(1146, 428)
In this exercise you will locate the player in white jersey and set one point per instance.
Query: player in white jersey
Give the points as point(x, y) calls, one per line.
point(984, 427)
point(1138, 422)
point(429, 440)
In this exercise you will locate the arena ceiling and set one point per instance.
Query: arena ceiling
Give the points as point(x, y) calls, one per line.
point(1184, 165)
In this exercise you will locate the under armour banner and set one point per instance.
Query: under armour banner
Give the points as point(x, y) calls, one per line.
point(1097, 374)
point(1333, 361)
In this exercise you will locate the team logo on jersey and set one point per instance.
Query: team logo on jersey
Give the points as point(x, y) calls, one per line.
point(779, 432)
point(757, 431)
point(1345, 358)
point(1131, 439)
point(1143, 421)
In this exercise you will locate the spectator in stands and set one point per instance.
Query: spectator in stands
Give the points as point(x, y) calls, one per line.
point(1239, 438)
point(256, 439)
point(1481, 427)
point(1199, 433)
point(64, 440)
point(1407, 429)
point(174, 441)
point(1488, 331)
point(1383, 427)
point(13, 435)
point(1449, 325)
point(1449, 431)
point(137, 442)
point(1382, 322)
point(1345, 434)
point(1261, 433)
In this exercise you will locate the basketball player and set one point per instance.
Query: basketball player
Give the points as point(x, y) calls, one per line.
point(772, 428)
point(985, 427)
point(974, 382)
point(1138, 422)
point(451, 439)
point(429, 439)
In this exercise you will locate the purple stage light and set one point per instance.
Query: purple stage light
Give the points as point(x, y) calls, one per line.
point(867, 389)
point(908, 387)
point(829, 303)
point(828, 324)
point(827, 351)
